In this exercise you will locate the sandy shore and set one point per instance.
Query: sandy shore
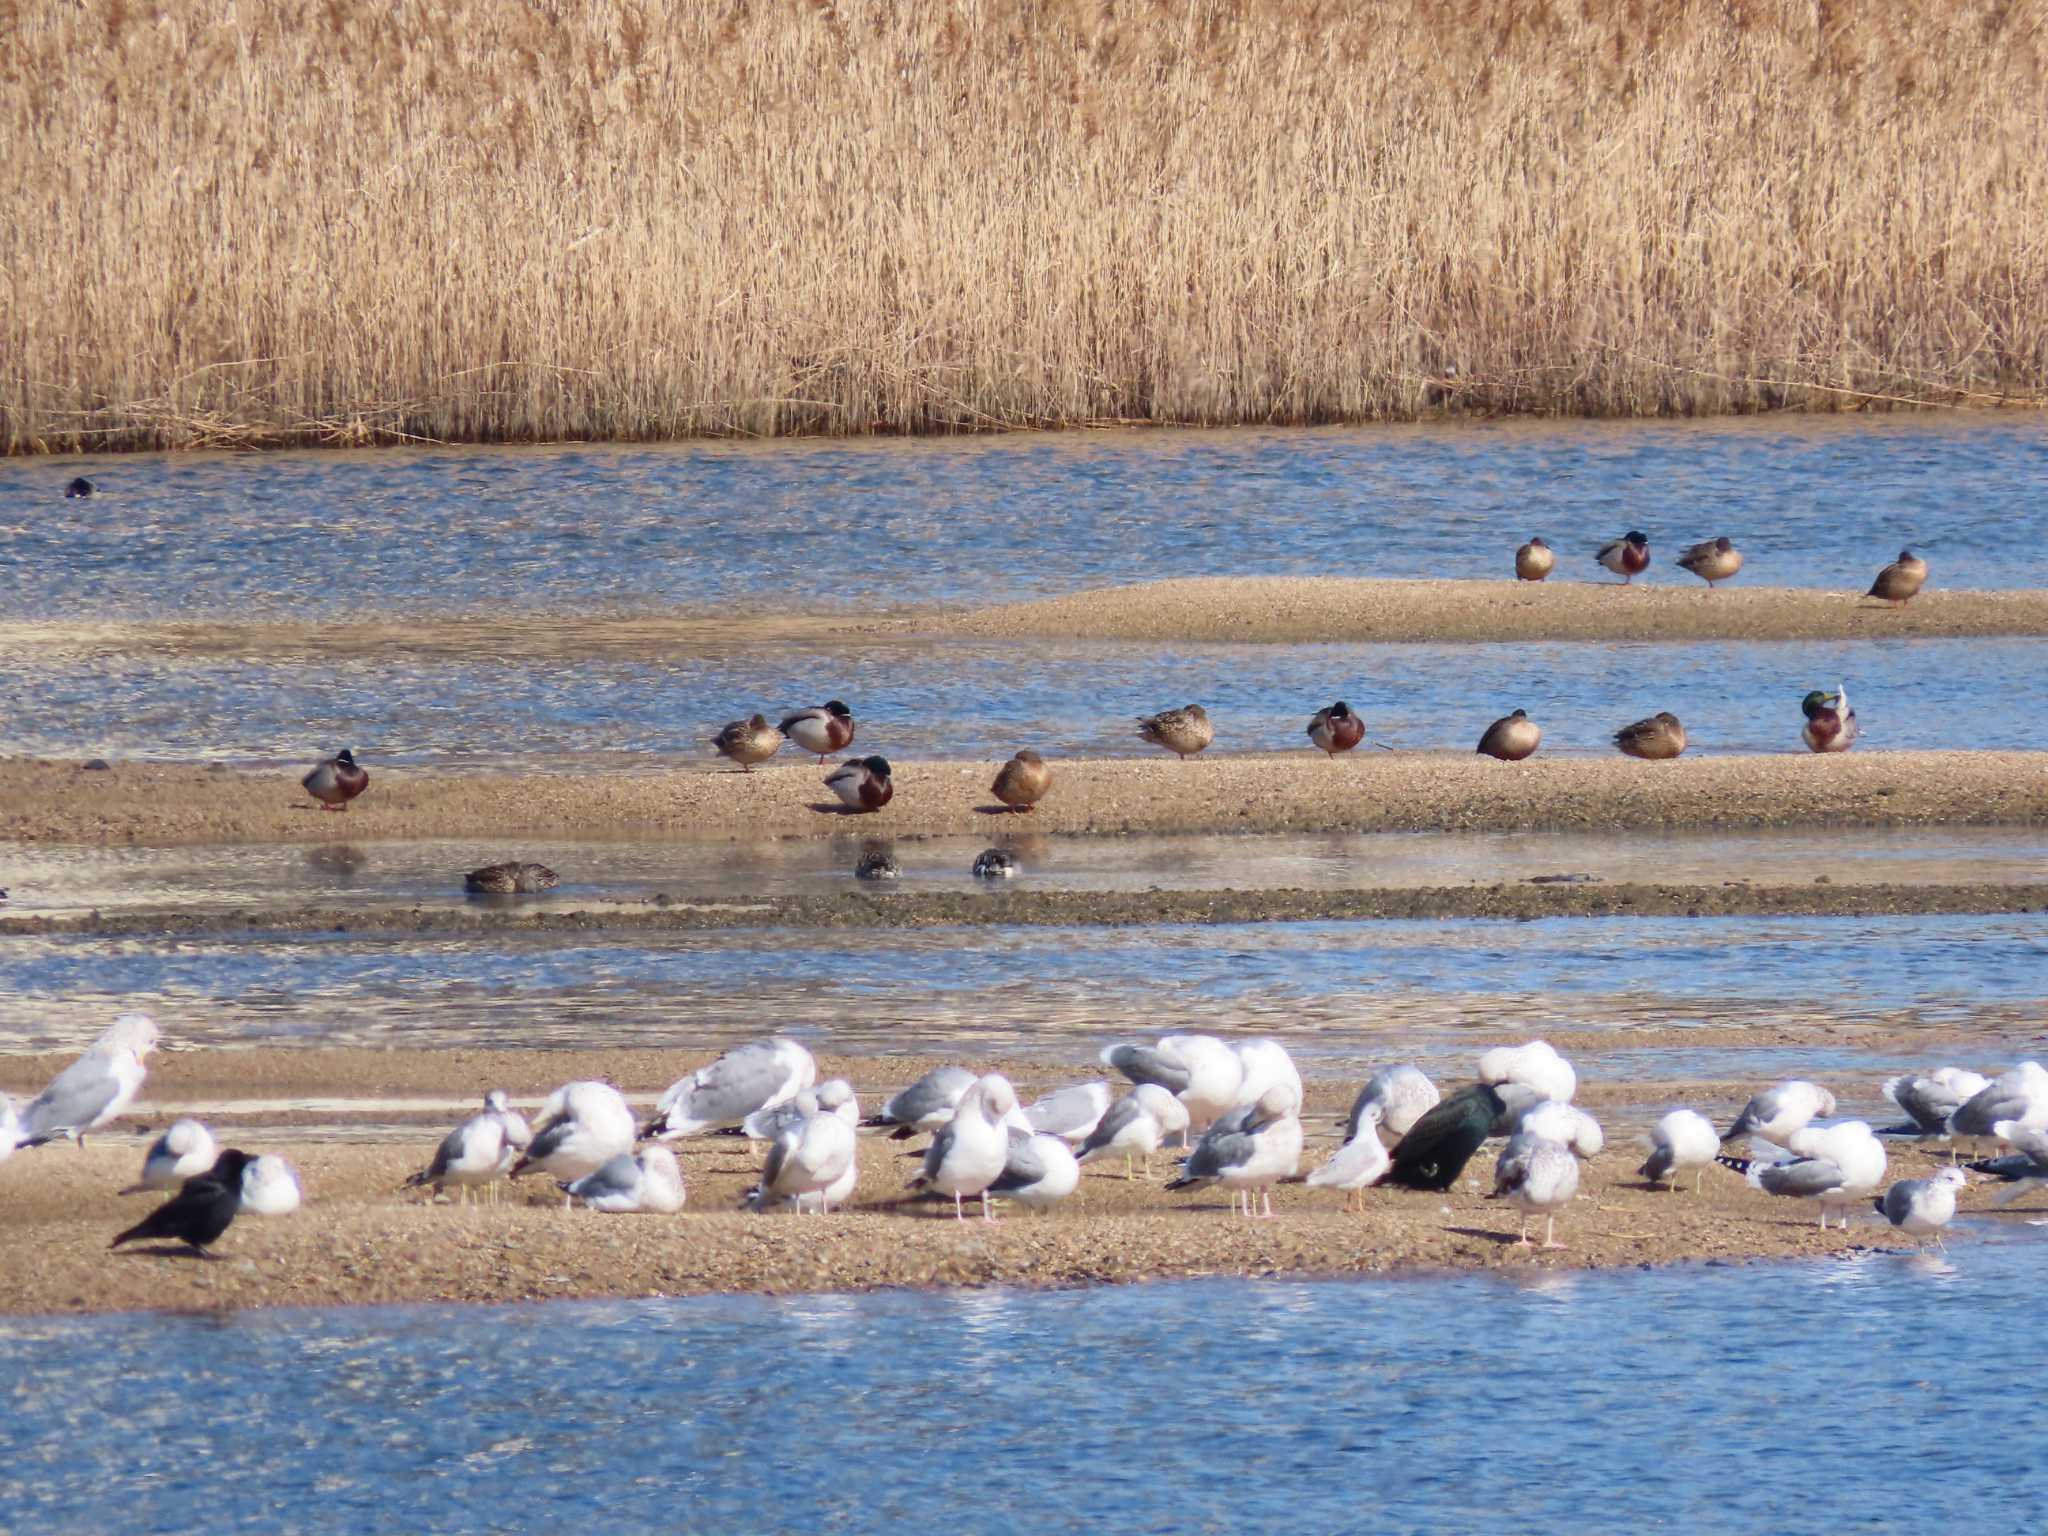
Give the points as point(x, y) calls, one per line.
point(1293, 792)
point(1671, 607)
point(360, 1240)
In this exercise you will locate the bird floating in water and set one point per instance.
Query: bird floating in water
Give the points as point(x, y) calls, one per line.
point(1830, 722)
point(1657, 739)
point(79, 487)
point(201, 1212)
point(995, 864)
point(1712, 561)
point(747, 742)
point(524, 879)
point(1628, 556)
point(1022, 782)
point(1898, 582)
point(1336, 729)
point(1183, 731)
point(862, 783)
point(1512, 737)
point(824, 730)
point(1533, 561)
point(336, 781)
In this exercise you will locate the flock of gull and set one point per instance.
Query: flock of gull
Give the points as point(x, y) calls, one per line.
point(1231, 1108)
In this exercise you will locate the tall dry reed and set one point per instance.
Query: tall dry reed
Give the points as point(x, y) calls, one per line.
point(323, 220)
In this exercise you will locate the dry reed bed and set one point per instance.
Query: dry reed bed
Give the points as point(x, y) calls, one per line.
point(257, 221)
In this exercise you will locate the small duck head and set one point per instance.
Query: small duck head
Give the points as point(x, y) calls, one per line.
point(1905, 556)
point(78, 487)
point(1519, 714)
point(1723, 545)
point(837, 709)
point(1815, 702)
point(1665, 717)
point(346, 757)
point(1538, 544)
point(1195, 711)
point(757, 722)
point(878, 766)
point(1031, 757)
point(1636, 538)
point(1340, 711)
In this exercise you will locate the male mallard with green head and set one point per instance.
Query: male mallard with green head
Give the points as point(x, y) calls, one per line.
point(1022, 782)
point(1830, 722)
point(1182, 731)
point(748, 741)
point(1512, 737)
point(824, 730)
point(1628, 556)
point(862, 783)
point(1533, 561)
point(1715, 560)
point(336, 781)
point(1659, 737)
point(1336, 729)
point(1899, 581)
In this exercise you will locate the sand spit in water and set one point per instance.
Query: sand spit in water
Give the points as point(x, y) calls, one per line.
point(164, 804)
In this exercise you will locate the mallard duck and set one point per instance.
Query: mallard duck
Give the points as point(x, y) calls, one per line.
point(1628, 556)
point(336, 781)
point(1533, 561)
point(1183, 731)
point(824, 730)
point(510, 879)
point(1830, 722)
point(1897, 582)
point(1715, 560)
point(1336, 729)
point(749, 741)
point(1512, 737)
point(862, 783)
point(995, 864)
point(79, 487)
point(877, 865)
point(1658, 737)
point(1022, 782)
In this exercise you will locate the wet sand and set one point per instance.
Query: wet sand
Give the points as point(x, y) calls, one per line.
point(360, 1240)
point(1218, 792)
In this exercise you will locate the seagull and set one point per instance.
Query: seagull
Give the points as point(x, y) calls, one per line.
point(1250, 1150)
point(1070, 1113)
point(1356, 1166)
point(1039, 1171)
point(1922, 1207)
point(94, 1088)
point(582, 1127)
point(1199, 1070)
point(834, 1096)
point(648, 1181)
point(2019, 1095)
point(1683, 1139)
point(1536, 1065)
point(1265, 1065)
point(969, 1151)
point(477, 1152)
point(1929, 1098)
point(1135, 1125)
point(1399, 1096)
point(184, 1151)
point(758, 1075)
point(201, 1211)
point(1436, 1149)
point(1538, 1174)
point(811, 1156)
point(2023, 1169)
point(926, 1104)
point(1566, 1124)
point(270, 1187)
point(1837, 1165)
point(1777, 1112)
point(10, 1128)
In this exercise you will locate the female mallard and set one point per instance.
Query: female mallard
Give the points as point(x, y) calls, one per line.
point(1336, 729)
point(824, 730)
point(877, 864)
point(748, 741)
point(1897, 582)
point(1533, 561)
point(1512, 737)
point(1022, 782)
point(995, 864)
point(1628, 556)
point(512, 879)
point(1830, 722)
point(862, 783)
point(1182, 731)
point(1658, 737)
point(336, 781)
point(1715, 560)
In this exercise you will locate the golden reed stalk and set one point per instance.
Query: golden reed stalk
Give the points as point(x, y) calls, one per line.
point(274, 221)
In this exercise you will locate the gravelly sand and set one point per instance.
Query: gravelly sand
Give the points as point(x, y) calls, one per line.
point(1294, 792)
point(359, 1240)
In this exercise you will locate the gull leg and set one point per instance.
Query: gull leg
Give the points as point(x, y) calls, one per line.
point(1523, 1240)
point(958, 1214)
point(985, 1215)
point(1267, 1198)
point(1550, 1232)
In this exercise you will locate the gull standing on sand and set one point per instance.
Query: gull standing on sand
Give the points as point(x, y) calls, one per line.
point(926, 1104)
point(833, 1097)
point(1199, 1070)
point(1836, 1165)
point(1396, 1097)
point(810, 1157)
point(1135, 1126)
point(478, 1152)
point(1039, 1172)
point(2018, 1096)
point(582, 1127)
point(270, 1187)
point(1249, 1151)
point(1929, 1098)
point(94, 1088)
point(1536, 1065)
point(1070, 1113)
point(1683, 1139)
point(1357, 1165)
point(1540, 1176)
point(2023, 1169)
point(1777, 1112)
point(184, 1151)
point(758, 1075)
point(649, 1181)
point(969, 1151)
point(1922, 1207)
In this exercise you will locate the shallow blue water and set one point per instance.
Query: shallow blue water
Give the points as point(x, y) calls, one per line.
point(984, 700)
point(1837, 1395)
point(810, 526)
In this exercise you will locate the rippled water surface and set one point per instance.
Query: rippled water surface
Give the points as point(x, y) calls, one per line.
point(811, 526)
point(1829, 1395)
